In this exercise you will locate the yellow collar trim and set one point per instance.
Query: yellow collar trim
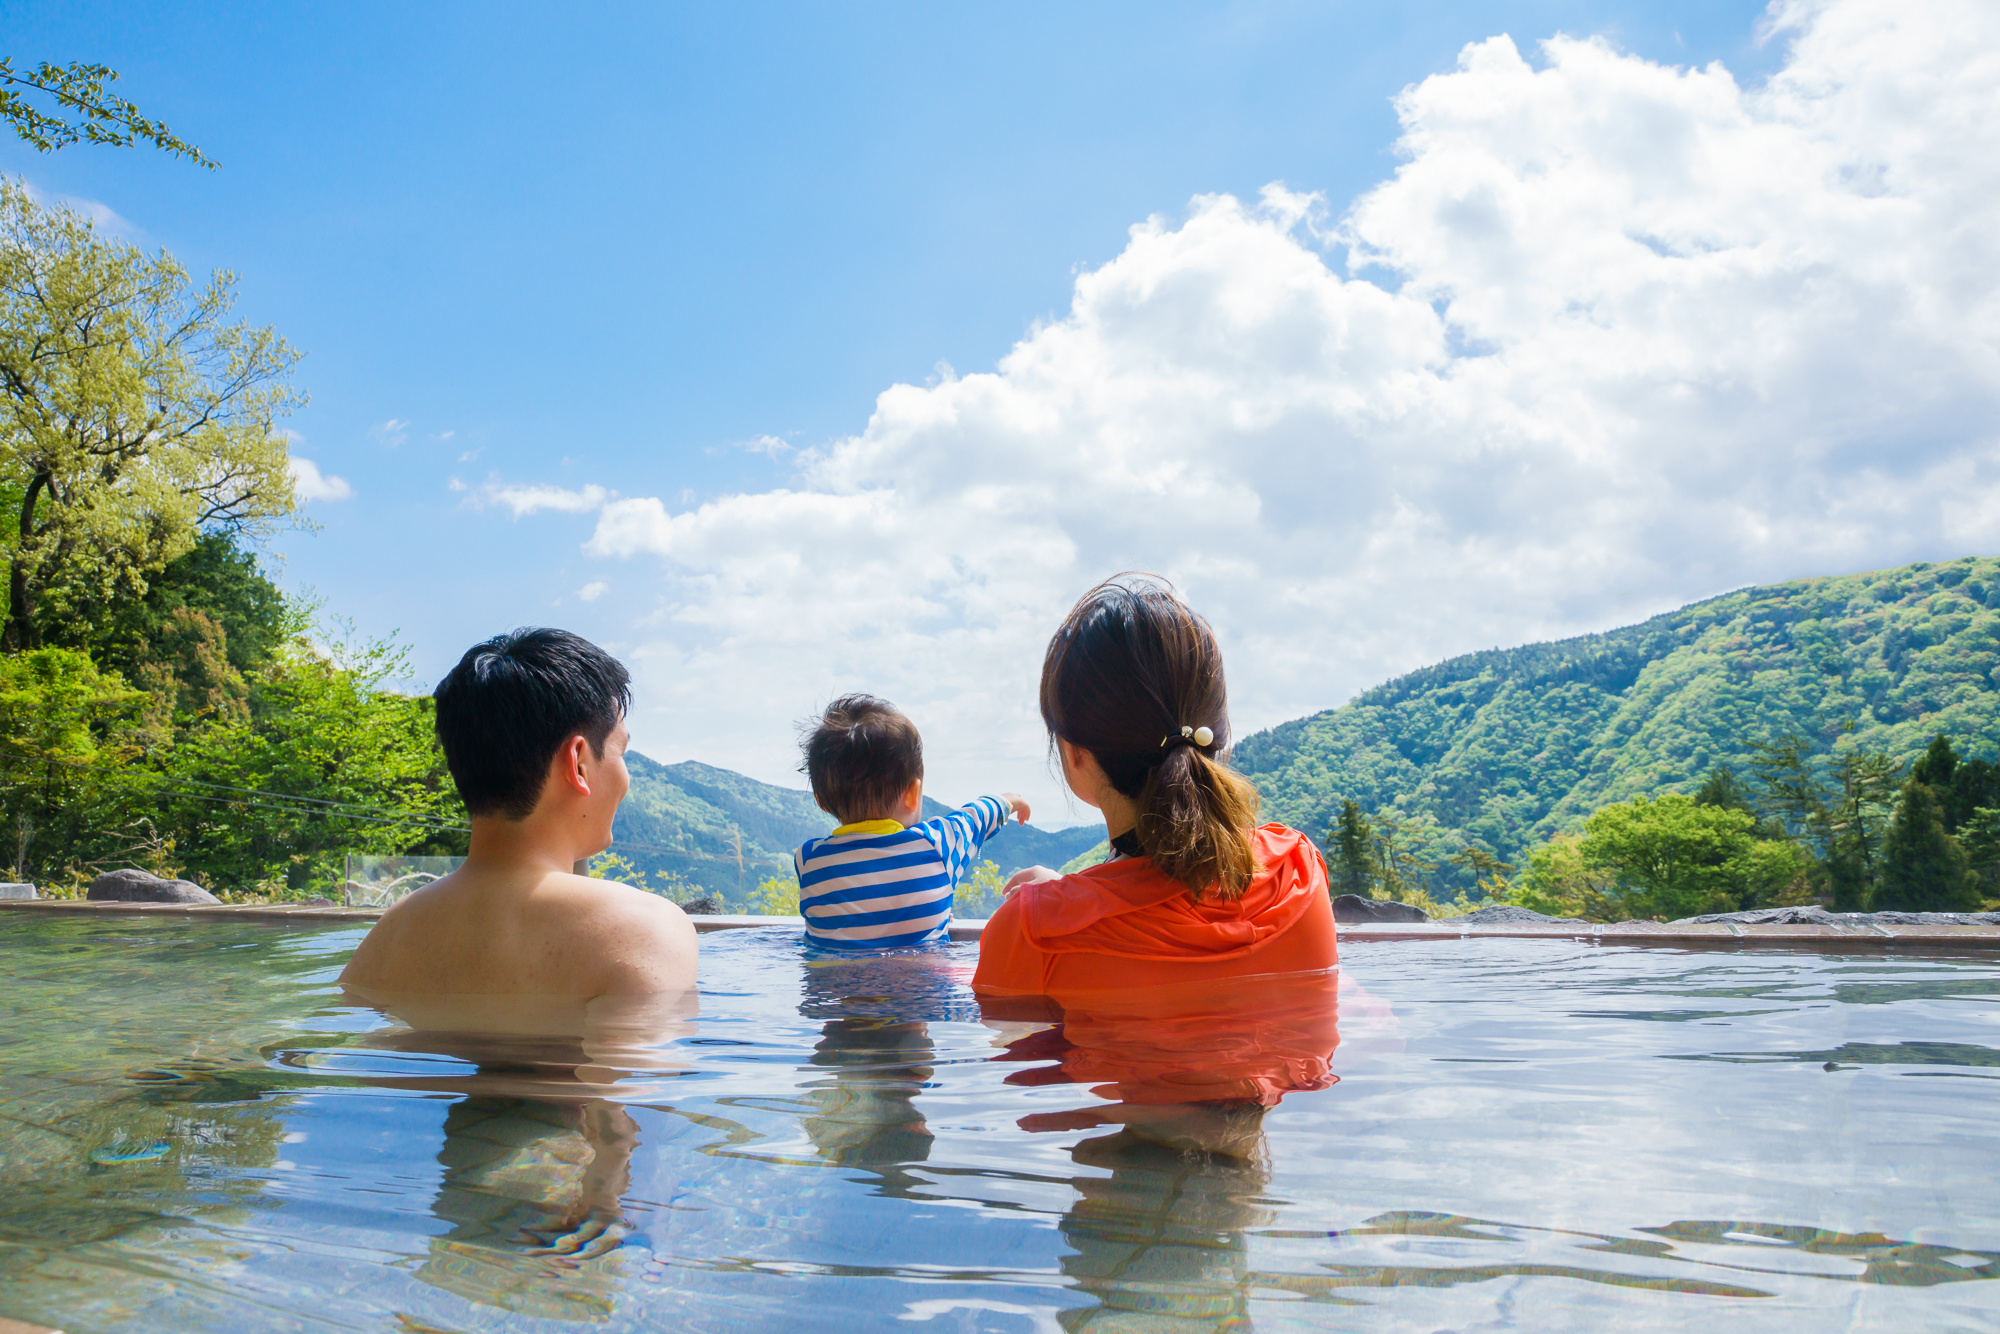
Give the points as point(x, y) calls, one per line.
point(870, 827)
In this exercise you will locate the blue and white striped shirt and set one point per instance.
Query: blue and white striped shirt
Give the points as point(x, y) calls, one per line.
point(879, 885)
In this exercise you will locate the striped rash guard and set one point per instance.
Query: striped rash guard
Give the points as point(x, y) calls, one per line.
point(877, 884)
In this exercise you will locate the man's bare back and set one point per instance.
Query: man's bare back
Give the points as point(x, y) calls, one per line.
point(532, 726)
point(525, 931)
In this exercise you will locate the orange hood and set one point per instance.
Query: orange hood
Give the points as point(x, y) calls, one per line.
point(1126, 908)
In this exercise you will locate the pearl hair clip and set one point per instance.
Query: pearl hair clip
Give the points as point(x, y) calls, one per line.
point(1201, 736)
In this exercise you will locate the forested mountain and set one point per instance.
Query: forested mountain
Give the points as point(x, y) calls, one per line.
point(724, 833)
point(1511, 746)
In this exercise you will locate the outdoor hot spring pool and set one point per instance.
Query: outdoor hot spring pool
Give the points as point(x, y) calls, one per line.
point(196, 1134)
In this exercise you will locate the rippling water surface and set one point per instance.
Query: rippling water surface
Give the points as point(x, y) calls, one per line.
point(197, 1133)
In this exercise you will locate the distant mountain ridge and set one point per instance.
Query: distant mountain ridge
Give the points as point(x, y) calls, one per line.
point(725, 832)
point(1510, 746)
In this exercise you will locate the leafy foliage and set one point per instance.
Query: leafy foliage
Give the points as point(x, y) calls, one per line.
point(133, 416)
point(216, 580)
point(981, 894)
point(64, 726)
point(1924, 869)
point(1673, 856)
point(325, 762)
point(775, 896)
point(85, 110)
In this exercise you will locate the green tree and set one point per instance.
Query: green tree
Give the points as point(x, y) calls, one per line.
point(1923, 867)
point(1674, 857)
point(1490, 875)
point(1401, 862)
point(1353, 852)
point(775, 896)
point(64, 725)
point(981, 894)
point(327, 760)
point(1561, 882)
point(216, 578)
point(1979, 835)
point(133, 416)
point(1961, 786)
point(1855, 825)
point(84, 110)
point(1719, 788)
point(1790, 793)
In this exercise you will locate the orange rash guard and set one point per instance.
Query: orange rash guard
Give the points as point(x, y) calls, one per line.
point(1124, 925)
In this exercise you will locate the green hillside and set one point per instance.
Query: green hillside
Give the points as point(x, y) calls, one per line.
point(714, 828)
point(1510, 746)
point(724, 833)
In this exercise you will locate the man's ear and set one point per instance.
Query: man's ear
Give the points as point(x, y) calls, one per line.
point(570, 760)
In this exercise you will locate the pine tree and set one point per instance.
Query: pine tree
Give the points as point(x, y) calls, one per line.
point(1720, 789)
point(1353, 852)
point(1923, 868)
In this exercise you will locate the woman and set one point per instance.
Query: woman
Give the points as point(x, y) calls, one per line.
point(1134, 700)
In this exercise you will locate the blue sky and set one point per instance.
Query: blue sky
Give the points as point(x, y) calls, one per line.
point(615, 247)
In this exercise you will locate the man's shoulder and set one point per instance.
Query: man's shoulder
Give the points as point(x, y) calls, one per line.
point(612, 898)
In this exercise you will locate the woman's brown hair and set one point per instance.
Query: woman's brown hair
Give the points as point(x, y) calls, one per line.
point(1131, 666)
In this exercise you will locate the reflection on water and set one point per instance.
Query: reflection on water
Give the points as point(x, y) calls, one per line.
point(536, 1156)
point(531, 1194)
point(1188, 1073)
point(197, 1131)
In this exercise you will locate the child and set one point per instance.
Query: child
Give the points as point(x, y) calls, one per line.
point(882, 880)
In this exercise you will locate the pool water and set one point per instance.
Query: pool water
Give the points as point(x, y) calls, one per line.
point(196, 1133)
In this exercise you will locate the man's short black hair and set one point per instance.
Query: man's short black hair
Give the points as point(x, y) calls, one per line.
point(512, 701)
point(861, 756)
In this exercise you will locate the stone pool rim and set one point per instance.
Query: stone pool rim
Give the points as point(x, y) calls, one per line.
point(1681, 935)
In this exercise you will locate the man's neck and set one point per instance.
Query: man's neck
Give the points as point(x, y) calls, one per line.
point(529, 844)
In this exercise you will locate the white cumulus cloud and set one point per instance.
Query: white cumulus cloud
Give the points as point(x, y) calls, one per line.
point(309, 483)
point(531, 498)
point(1615, 335)
point(593, 590)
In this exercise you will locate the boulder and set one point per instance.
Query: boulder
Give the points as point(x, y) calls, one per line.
point(1806, 915)
point(131, 885)
point(1506, 914)
point(1354, 908)
point(1814, 915)
point(17, 890)
point(706, 906)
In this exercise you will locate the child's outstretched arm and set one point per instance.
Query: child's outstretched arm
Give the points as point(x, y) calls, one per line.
point(961, 834)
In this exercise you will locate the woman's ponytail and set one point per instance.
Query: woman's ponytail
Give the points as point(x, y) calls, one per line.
point(1134, 677)
point(1195, 818)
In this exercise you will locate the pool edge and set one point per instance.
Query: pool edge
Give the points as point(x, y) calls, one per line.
point(1726, 935)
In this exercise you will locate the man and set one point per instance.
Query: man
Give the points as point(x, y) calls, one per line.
point(533, 729)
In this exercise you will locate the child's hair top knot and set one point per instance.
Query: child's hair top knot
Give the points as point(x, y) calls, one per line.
point(860, 756)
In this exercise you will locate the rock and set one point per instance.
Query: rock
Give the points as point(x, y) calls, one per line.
point(1809, 915)
point(1499, 914)
point(706, 906)
point(317, 902)
point(1814, 915)
point(1354, 908)
point(1930, 918)
point(16, 890)
point(131, 885)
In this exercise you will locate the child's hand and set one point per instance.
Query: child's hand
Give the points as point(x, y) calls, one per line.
point(1019, 803)
point(1028, 875)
